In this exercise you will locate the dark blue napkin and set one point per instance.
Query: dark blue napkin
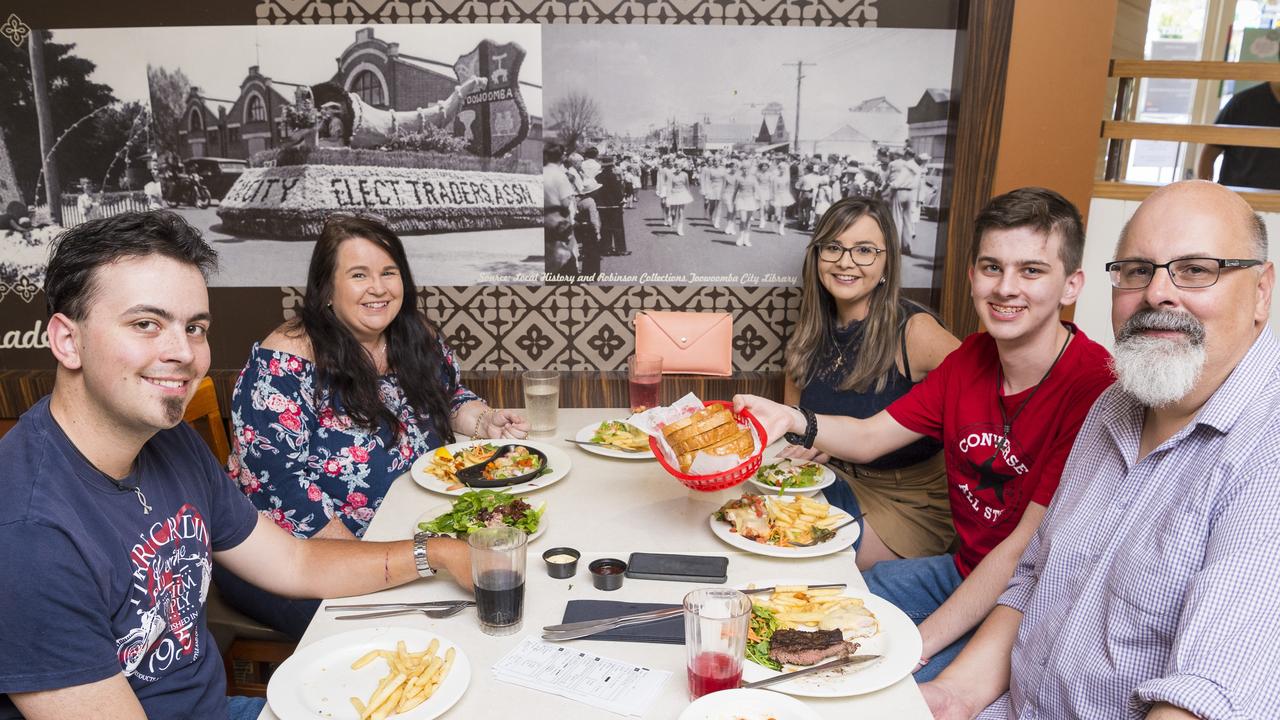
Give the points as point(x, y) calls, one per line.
point(669, 631)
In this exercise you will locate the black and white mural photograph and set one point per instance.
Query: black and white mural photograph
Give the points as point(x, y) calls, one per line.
point(86, 96)
point(705, 155)
point(258, 133)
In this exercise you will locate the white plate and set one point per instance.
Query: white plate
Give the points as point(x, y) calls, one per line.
point(557, 460)
point(740, 704)
point(317, 680)
point(825, 479)
point(439, 509)
point(845, 537)
point(585, 435)
point(898, 644)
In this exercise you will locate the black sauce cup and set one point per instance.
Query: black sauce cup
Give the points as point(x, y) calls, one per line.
point(607, 573)
point(562, 570)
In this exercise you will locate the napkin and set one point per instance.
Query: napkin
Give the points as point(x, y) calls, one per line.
point(669, 631)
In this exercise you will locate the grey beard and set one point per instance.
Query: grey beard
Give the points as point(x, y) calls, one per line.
point(1158, 372)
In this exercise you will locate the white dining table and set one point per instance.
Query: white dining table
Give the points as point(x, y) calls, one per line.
point(604, 507)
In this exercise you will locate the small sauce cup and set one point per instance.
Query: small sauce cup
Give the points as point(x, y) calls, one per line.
point(562, 562)
point(607, 573)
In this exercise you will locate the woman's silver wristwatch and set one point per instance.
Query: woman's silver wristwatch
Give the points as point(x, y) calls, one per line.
point(420, 554)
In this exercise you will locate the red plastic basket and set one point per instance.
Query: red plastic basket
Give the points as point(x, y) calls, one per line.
point(728, 478)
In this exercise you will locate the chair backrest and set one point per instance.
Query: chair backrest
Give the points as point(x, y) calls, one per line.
point(203, 410)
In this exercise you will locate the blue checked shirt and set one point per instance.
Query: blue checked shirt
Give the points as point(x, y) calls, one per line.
point(1158, 580)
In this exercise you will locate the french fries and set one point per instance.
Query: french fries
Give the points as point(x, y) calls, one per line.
point(413, 678)
point(795, 521)
point(797, 605)
point(445, 465)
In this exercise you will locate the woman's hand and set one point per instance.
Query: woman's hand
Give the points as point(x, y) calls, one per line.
point(800, 453)
point(777, 419)
point(505, 424)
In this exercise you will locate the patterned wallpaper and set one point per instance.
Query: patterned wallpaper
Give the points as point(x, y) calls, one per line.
point(829, 13)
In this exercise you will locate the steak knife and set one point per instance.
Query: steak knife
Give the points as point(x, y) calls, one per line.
point(846, 660)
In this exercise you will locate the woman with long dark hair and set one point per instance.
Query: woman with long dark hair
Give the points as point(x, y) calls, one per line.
point(336, 403)
point(858, 346)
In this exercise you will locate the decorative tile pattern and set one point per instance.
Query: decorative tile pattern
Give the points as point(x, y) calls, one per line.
point(589, 328)
point(16, 30)
point(826, 13)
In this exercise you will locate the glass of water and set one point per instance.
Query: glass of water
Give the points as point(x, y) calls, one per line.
point(542, 399)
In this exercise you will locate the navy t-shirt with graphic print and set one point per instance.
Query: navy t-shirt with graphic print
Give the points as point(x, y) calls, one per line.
point(95, 587)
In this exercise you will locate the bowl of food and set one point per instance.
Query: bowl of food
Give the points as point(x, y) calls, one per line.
point(509, 465)
point(715, 431)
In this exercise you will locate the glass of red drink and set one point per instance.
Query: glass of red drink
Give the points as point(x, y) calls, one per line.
point(715, 639)
point(644, 380)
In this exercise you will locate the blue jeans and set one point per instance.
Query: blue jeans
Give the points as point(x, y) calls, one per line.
point(919, 586)
point(841, 495)
point(244, 708)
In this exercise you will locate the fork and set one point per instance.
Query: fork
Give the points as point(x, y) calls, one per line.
point(608, 446)
point(844, 524)
point(433, 613)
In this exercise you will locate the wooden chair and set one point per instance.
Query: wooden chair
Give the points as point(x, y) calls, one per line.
point(239, 638)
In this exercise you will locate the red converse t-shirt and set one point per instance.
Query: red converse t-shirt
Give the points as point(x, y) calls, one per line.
point(956, 404)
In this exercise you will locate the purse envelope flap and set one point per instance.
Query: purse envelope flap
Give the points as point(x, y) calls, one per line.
point(686, 328)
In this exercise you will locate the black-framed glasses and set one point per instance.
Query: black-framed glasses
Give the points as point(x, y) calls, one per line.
point(862, 255)
point(1196, 272)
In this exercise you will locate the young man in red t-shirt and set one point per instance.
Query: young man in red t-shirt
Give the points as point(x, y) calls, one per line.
point(1006, 405)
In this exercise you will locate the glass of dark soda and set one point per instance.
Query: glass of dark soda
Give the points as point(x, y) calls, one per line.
point(497, 571)
point(715, 638)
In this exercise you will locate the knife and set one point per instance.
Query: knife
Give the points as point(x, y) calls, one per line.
point(574, 630)
point(846, 660)
point(393, 605)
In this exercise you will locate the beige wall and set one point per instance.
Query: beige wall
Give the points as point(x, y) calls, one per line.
point(1057, 81)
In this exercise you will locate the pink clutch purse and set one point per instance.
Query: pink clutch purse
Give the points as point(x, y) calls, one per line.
point(689, 342)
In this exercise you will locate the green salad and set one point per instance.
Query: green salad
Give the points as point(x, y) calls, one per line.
point(786, 474)
point(485, 508)
point(759, 635)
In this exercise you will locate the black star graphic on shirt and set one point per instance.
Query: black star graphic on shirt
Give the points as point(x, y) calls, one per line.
point(989, 478)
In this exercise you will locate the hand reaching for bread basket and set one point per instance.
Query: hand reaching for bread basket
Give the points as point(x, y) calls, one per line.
point(704, 445)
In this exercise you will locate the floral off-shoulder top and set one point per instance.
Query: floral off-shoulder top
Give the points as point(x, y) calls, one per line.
point(303, 462)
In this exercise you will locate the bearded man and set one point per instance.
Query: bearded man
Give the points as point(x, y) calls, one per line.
point(1149, 589)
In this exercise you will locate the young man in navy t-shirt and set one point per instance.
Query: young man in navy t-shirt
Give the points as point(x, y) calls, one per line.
point(1006, 405)
point(115, 509)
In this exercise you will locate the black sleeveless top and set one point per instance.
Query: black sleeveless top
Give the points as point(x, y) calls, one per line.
point(823, 396)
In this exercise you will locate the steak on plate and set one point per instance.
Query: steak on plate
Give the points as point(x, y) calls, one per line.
point(797, 647)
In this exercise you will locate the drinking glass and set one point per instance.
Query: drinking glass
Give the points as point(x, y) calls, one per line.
point(715, 638)
point(644, 380)
point(542, 399)
point(497, 571)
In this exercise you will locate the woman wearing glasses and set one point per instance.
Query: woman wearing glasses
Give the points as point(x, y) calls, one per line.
point(858, 346)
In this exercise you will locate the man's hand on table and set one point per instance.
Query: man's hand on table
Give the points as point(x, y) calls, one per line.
point(453, 556)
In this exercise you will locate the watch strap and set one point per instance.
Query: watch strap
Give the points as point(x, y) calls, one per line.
point(420, 554)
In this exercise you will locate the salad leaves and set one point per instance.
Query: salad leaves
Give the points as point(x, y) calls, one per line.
point(486, 508)
point(786, 474)
point(759, 635)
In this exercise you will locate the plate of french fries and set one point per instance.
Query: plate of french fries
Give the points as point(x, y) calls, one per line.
point(875, 624)
point(776, 525)
point(437, 470)
point(386, 673)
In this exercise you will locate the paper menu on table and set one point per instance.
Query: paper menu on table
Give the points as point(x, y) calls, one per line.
point(613, 685)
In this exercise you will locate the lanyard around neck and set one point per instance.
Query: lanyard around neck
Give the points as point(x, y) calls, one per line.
point(1006, 421)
